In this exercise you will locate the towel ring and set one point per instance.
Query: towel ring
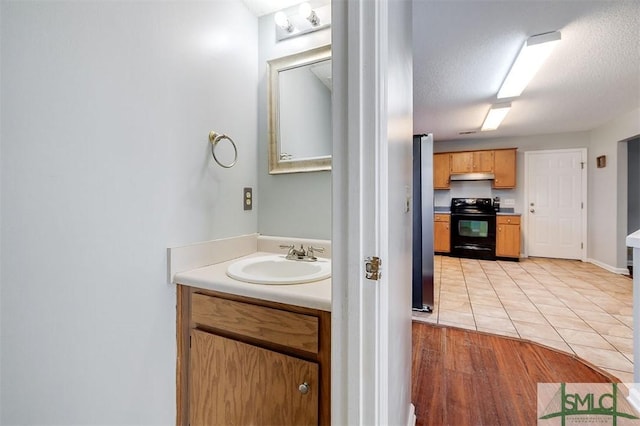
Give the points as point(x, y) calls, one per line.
point(214, 138)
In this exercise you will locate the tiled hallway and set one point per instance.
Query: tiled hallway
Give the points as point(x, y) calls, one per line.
point(565, 304)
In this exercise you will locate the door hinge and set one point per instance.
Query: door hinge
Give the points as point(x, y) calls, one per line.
point(581, 246)
point(189, 341)
point(582, 205)
point(582, 164)
point(372, 267)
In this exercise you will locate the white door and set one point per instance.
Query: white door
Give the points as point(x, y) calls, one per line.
point(555, 203)
point(371, 177)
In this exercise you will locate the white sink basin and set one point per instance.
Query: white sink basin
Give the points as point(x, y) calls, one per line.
point(276, 269)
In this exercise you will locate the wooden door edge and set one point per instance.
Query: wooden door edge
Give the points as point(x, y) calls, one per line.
point(183, 296)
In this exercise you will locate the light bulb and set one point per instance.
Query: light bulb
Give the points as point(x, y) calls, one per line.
point(309, 14)
point(282, 21)
point(305, 10)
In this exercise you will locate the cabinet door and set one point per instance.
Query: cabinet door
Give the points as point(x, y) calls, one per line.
point(441, 237)
point(441, 171)
point(483, 161)
point(508, 240)
point(234, 383)
point(461, 162)
point(504, 168)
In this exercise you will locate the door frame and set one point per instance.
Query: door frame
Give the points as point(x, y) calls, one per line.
point(584, 180)
point(356, 368)
point(364, 383)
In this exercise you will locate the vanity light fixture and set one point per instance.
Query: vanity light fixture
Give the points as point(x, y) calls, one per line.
point(301, 19)
point(535, 51)
point(496, 114)
point(309, 14)
point(283, 22)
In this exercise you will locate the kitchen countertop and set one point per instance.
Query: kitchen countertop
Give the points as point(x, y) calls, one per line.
point(500, 213)
point(315, 295)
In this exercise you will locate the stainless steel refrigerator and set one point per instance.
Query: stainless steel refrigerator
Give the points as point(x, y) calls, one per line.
point(423, 223)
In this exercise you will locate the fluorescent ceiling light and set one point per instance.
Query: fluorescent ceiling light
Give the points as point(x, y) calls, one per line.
point(496, 114)
point(531, 57)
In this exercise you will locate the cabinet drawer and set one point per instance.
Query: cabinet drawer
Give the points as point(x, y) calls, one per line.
point(290, 329)
point(508, 220)
point(442, 218)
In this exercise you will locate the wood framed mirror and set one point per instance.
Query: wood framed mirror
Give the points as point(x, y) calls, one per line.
point(299, 112)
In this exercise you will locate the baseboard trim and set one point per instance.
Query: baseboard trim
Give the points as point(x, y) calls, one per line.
point(634, 397)
point(621, 271)
point(411, 420)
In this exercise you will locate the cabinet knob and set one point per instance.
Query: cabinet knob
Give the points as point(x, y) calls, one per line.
point(304, 388)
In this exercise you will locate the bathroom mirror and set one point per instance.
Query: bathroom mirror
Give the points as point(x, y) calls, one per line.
point(299, 111)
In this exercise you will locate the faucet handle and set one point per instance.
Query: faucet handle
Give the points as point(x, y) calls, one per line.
point(290, 249)
point(311, 250)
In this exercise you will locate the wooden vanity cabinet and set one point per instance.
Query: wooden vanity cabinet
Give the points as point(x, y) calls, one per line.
point(249, 361)
point(442, 233)
point(508, 236)
point(441, 171)
point(504, 168)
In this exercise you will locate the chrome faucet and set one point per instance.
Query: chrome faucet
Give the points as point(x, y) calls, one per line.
point(301, 254)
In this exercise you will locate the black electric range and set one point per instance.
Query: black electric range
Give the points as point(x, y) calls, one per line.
point(473, 228)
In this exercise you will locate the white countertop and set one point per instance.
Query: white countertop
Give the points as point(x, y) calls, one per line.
point(315, 295)
point(633, 240)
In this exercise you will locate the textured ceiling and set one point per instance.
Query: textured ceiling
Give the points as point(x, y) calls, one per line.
point(463, 50)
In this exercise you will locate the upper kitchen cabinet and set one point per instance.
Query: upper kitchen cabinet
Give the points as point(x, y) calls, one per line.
point(504, 168)
point(471, 162)
point(441, 171)
point(500, 162)
point(483, 161)
point(461, 162)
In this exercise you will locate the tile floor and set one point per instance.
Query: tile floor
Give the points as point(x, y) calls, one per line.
point(569, 305)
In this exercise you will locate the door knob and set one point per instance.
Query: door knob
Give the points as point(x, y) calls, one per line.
point(304, 388)
point(532, 210)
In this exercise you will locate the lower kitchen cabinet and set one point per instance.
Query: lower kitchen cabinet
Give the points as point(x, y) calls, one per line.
point(508, 236)
point(247, 361)
point(442, 233)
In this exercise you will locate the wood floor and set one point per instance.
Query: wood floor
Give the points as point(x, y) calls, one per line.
point(463, 377)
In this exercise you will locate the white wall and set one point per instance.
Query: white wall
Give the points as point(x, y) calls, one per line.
point(633, 186)
point(608, 186)
point(106, 108)
point(298, 204)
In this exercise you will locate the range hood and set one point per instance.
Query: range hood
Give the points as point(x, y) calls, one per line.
point(473, 176)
